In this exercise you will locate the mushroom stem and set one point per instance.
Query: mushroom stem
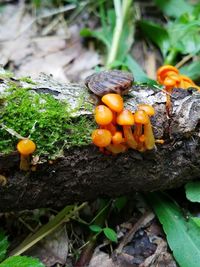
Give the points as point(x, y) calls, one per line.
point(130, 140)
point(137, 131)
point(24, 163)
point(116, 149)
point(137, 134)
point(168, 99)
point(149, 136)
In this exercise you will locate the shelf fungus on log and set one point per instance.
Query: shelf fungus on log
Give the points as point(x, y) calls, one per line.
point(82, 173)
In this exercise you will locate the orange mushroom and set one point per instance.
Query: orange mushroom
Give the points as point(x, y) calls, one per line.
point(149, 140)
point(117, 138)
point(101, 137)
point(186, 82)
point(113, 101)
point(140, 118)
point(103, 115)
point(126, 119)
point(169, 77)
point(163, 72)
point(117, 148)
point(150, 111)
point(25, 147)
point(110, 127)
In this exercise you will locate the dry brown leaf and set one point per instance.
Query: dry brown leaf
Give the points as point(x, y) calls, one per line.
point(53, 249)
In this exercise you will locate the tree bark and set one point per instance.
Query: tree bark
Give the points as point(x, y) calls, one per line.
point(84, 173)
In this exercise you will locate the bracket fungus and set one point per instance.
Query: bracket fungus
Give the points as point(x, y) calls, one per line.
point(25, 147)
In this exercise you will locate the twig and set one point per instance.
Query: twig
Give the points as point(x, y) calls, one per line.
point(146, 218)
point(49, 14)
point(11, 131)
point(183, 61)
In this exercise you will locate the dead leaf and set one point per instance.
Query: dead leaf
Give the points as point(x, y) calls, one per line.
point(53, 249)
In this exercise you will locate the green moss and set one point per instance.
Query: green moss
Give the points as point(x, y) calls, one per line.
point(5, 74)
point(27, 80)
point(42, 118)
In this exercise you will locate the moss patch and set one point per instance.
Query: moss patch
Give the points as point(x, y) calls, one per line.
point(42, 118)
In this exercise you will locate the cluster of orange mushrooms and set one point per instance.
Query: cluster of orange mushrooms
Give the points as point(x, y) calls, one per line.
point(119, 129)
point(170, 77)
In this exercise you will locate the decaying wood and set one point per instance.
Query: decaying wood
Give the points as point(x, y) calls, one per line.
point(84, 173)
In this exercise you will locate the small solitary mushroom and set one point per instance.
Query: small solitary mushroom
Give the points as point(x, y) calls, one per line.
point(25, 147)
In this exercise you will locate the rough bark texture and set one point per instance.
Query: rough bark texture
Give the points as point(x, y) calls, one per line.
point(84, 173)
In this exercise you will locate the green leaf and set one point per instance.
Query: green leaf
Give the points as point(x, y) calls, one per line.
point(86, 32)
point(192, 190)
point(182, 236)
point(3, 245)
point(196, 220)
point(110, 234)
point(156, 34)
point(95, 228)
point(139, 74)
point(184, 34)
point(174, 8)
point(120, 202)
point(192, 70)
point(21, 261)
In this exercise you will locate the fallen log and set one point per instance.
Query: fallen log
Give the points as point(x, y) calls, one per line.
point(83, 173)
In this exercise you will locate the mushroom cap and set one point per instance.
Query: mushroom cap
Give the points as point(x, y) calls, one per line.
point(117, 138)
point(141, 117)
point(110, 127)
point(187, 79)
point(26, 147)
point(109, 81)
point(101, 137)
point(169, 82)
point(103, 115)
point(150, 111)
point(113, 101)
point(163, 71)
point(125, 118)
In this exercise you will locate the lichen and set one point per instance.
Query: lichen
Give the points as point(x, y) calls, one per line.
point(48, 122)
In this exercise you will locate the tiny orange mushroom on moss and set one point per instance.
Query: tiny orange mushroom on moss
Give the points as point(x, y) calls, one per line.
point(25, 147)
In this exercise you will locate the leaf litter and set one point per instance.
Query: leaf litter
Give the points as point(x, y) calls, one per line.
point(55, 50)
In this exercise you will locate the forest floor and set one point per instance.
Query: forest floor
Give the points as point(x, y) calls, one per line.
point(33, 42)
